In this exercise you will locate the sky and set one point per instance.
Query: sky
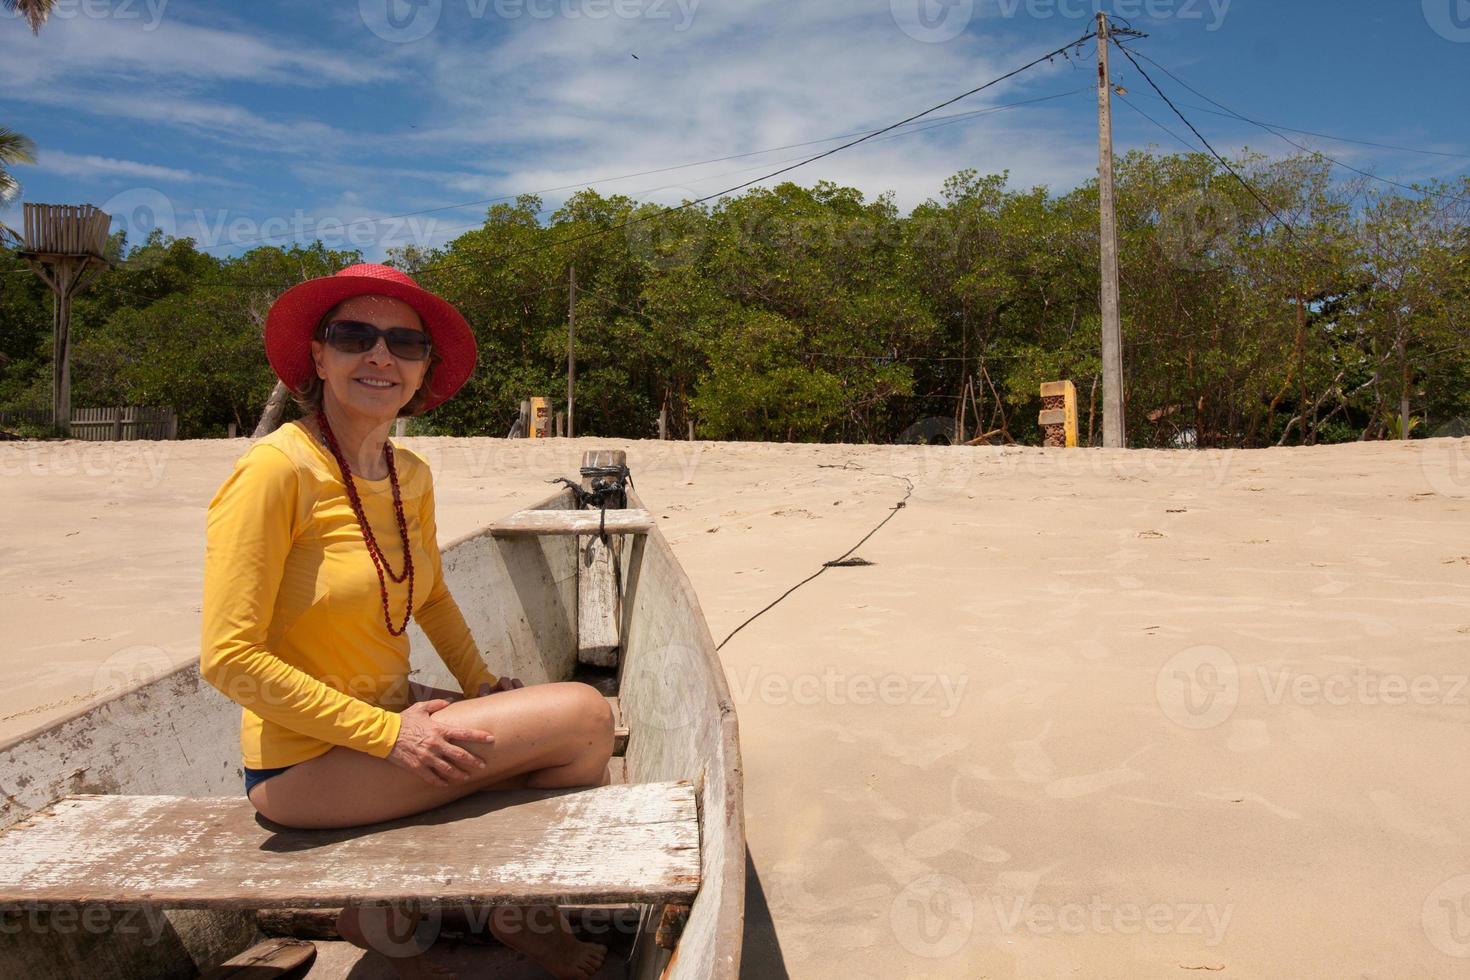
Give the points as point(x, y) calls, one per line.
point(373, 124)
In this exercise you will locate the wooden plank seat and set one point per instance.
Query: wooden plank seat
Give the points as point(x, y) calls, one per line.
point(618, 844)
point(531, 522)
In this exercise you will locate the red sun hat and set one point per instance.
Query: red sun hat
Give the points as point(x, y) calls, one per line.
point(294, 316)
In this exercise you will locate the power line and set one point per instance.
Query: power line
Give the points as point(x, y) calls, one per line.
point(942, 121)
point(784, 170)
point(1225, 163)
point(1274, 132)
point(937, 122)
point(800, 162)
point(1182, 141)
point(1325, 136)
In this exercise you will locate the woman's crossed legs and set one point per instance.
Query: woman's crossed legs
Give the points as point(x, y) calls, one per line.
point(548, 736)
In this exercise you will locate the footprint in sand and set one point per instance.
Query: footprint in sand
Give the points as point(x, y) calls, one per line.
point(955, 834)
point(1071, 787)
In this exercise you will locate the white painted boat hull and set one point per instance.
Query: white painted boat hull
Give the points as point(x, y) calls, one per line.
point(177, 735)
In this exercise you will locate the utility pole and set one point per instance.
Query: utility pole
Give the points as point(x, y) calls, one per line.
point(571, 348)
point(1112, 330)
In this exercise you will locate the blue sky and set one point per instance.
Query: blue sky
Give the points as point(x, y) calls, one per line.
point(275, 120)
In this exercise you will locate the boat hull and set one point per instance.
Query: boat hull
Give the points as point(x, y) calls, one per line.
point(176, 735)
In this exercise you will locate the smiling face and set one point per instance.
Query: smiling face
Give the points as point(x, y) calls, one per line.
point(372, 385)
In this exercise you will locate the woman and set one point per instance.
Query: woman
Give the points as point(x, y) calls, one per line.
point(321, 547)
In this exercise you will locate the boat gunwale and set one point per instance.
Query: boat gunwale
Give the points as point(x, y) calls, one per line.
point(728, 942)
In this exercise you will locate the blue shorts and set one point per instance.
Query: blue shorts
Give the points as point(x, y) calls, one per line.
point(253, 776)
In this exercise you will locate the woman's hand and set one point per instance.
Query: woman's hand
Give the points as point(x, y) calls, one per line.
point(504, 684)
point(424, 746)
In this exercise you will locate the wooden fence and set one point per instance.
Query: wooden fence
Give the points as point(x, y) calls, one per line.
point(30, 416)
point(107, 424)
point(124, 422)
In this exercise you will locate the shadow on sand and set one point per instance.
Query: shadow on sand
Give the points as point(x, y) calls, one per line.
point(760, 955)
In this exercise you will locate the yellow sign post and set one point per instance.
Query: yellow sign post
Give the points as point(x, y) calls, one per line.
point(540, 417)
point(1058, 416)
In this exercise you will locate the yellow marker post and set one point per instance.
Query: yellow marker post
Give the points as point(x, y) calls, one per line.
point(540, 417)
point(1058, 416)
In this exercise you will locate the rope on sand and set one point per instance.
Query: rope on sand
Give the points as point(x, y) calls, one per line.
point(839, 562)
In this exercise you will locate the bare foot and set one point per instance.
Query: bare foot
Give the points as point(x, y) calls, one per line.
point(541, 934)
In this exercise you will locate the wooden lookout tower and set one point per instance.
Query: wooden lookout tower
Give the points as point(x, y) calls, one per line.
point(64, 246)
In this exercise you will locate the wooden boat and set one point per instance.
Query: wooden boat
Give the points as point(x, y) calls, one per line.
point(127, 848)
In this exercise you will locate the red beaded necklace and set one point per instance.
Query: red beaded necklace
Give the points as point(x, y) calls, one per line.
point(380, 562)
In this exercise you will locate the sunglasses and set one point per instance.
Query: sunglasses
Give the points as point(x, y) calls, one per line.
point(356, 337)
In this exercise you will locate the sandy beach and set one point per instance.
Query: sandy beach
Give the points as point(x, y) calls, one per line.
point(1086, 713)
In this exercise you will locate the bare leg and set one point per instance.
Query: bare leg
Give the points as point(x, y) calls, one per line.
point(548, 736)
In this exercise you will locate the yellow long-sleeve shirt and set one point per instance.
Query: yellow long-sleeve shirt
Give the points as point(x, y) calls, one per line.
point(293, 619)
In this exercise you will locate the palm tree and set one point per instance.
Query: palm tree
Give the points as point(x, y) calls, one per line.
point(35, 12)
point(14, 148)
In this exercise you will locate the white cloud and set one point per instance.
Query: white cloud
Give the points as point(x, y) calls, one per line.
point(70, 49)
point(562, 101)
point(498, 106)
point(91, 165)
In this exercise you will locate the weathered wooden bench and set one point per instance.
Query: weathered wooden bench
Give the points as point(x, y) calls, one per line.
point(617, 844)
